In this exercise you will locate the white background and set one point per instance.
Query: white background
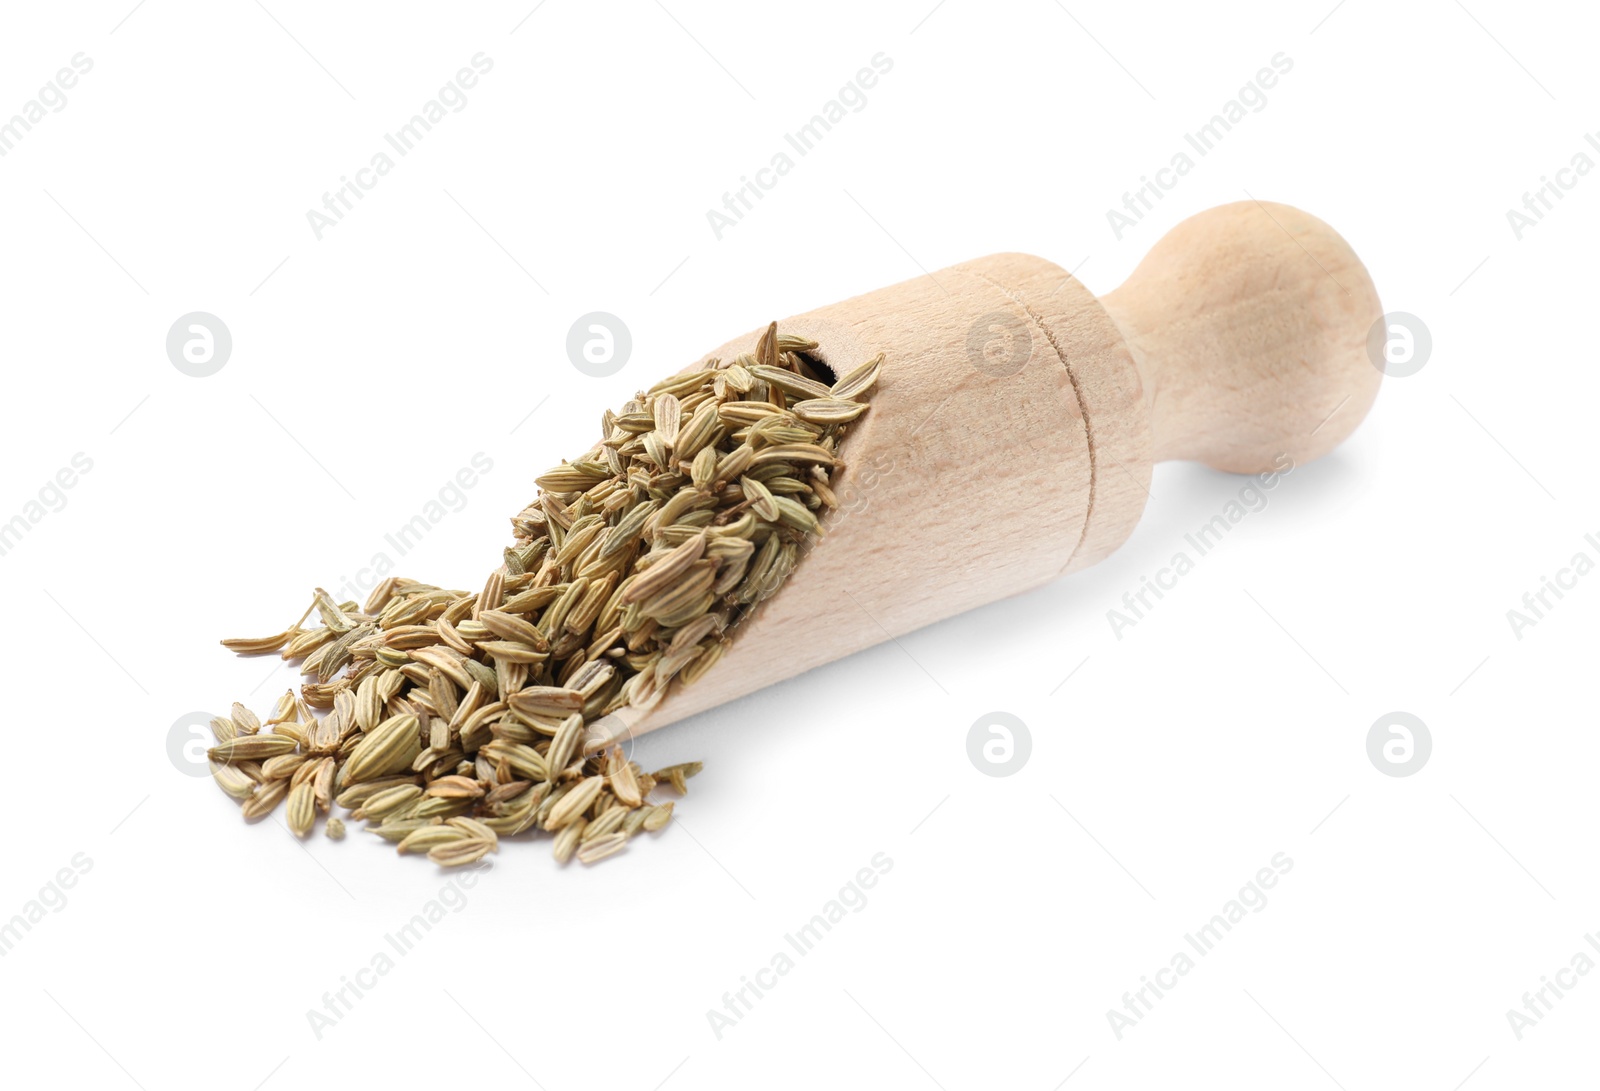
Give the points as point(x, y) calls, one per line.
point(1229, 725)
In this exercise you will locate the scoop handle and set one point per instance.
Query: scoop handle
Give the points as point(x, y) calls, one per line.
point(1249, 324)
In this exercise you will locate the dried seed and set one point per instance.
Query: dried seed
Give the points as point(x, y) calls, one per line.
point(455, 787)
point(567, 841)
point(609, 822)
point(574, 803)
point(657, 818)
point(513, 651)
point(454, 718)
point(400, 829)
point(474, 828)
point(245, 720)
point(564, 747)
point(284, 710)
point(760, 498)
point(333, 615)
point(666, 570)
point(429, 838)
point(282, 766)
point(259, 645)
point(828, 410)
point(293, 732)
point(789, 382)
point(545, 701)
point(601, 847)
point(389, 748)
point(678, 775)
point(388, 801)
point(358, 794)
point(252, 748)
point(233, 781)
point(626, 786)
point(302, 810)
point(266, 798)
point(509, 626)
point(859, 381)
point(468, 851)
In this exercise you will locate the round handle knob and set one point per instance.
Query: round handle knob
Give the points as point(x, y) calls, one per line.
point(1249, 325)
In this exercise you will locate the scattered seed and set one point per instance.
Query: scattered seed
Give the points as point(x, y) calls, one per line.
point(302, 811)
point(252, 748)
point(448, 719)
point(601, 847)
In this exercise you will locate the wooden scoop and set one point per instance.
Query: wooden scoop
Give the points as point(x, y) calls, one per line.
point(1017, 417)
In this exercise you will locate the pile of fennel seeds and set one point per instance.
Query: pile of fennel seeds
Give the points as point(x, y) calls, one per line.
point(453, 719)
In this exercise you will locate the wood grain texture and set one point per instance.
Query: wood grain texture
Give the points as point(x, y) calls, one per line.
point(982, 474)
point(1249, 324)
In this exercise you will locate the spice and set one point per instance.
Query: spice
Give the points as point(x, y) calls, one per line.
point(451, 718)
